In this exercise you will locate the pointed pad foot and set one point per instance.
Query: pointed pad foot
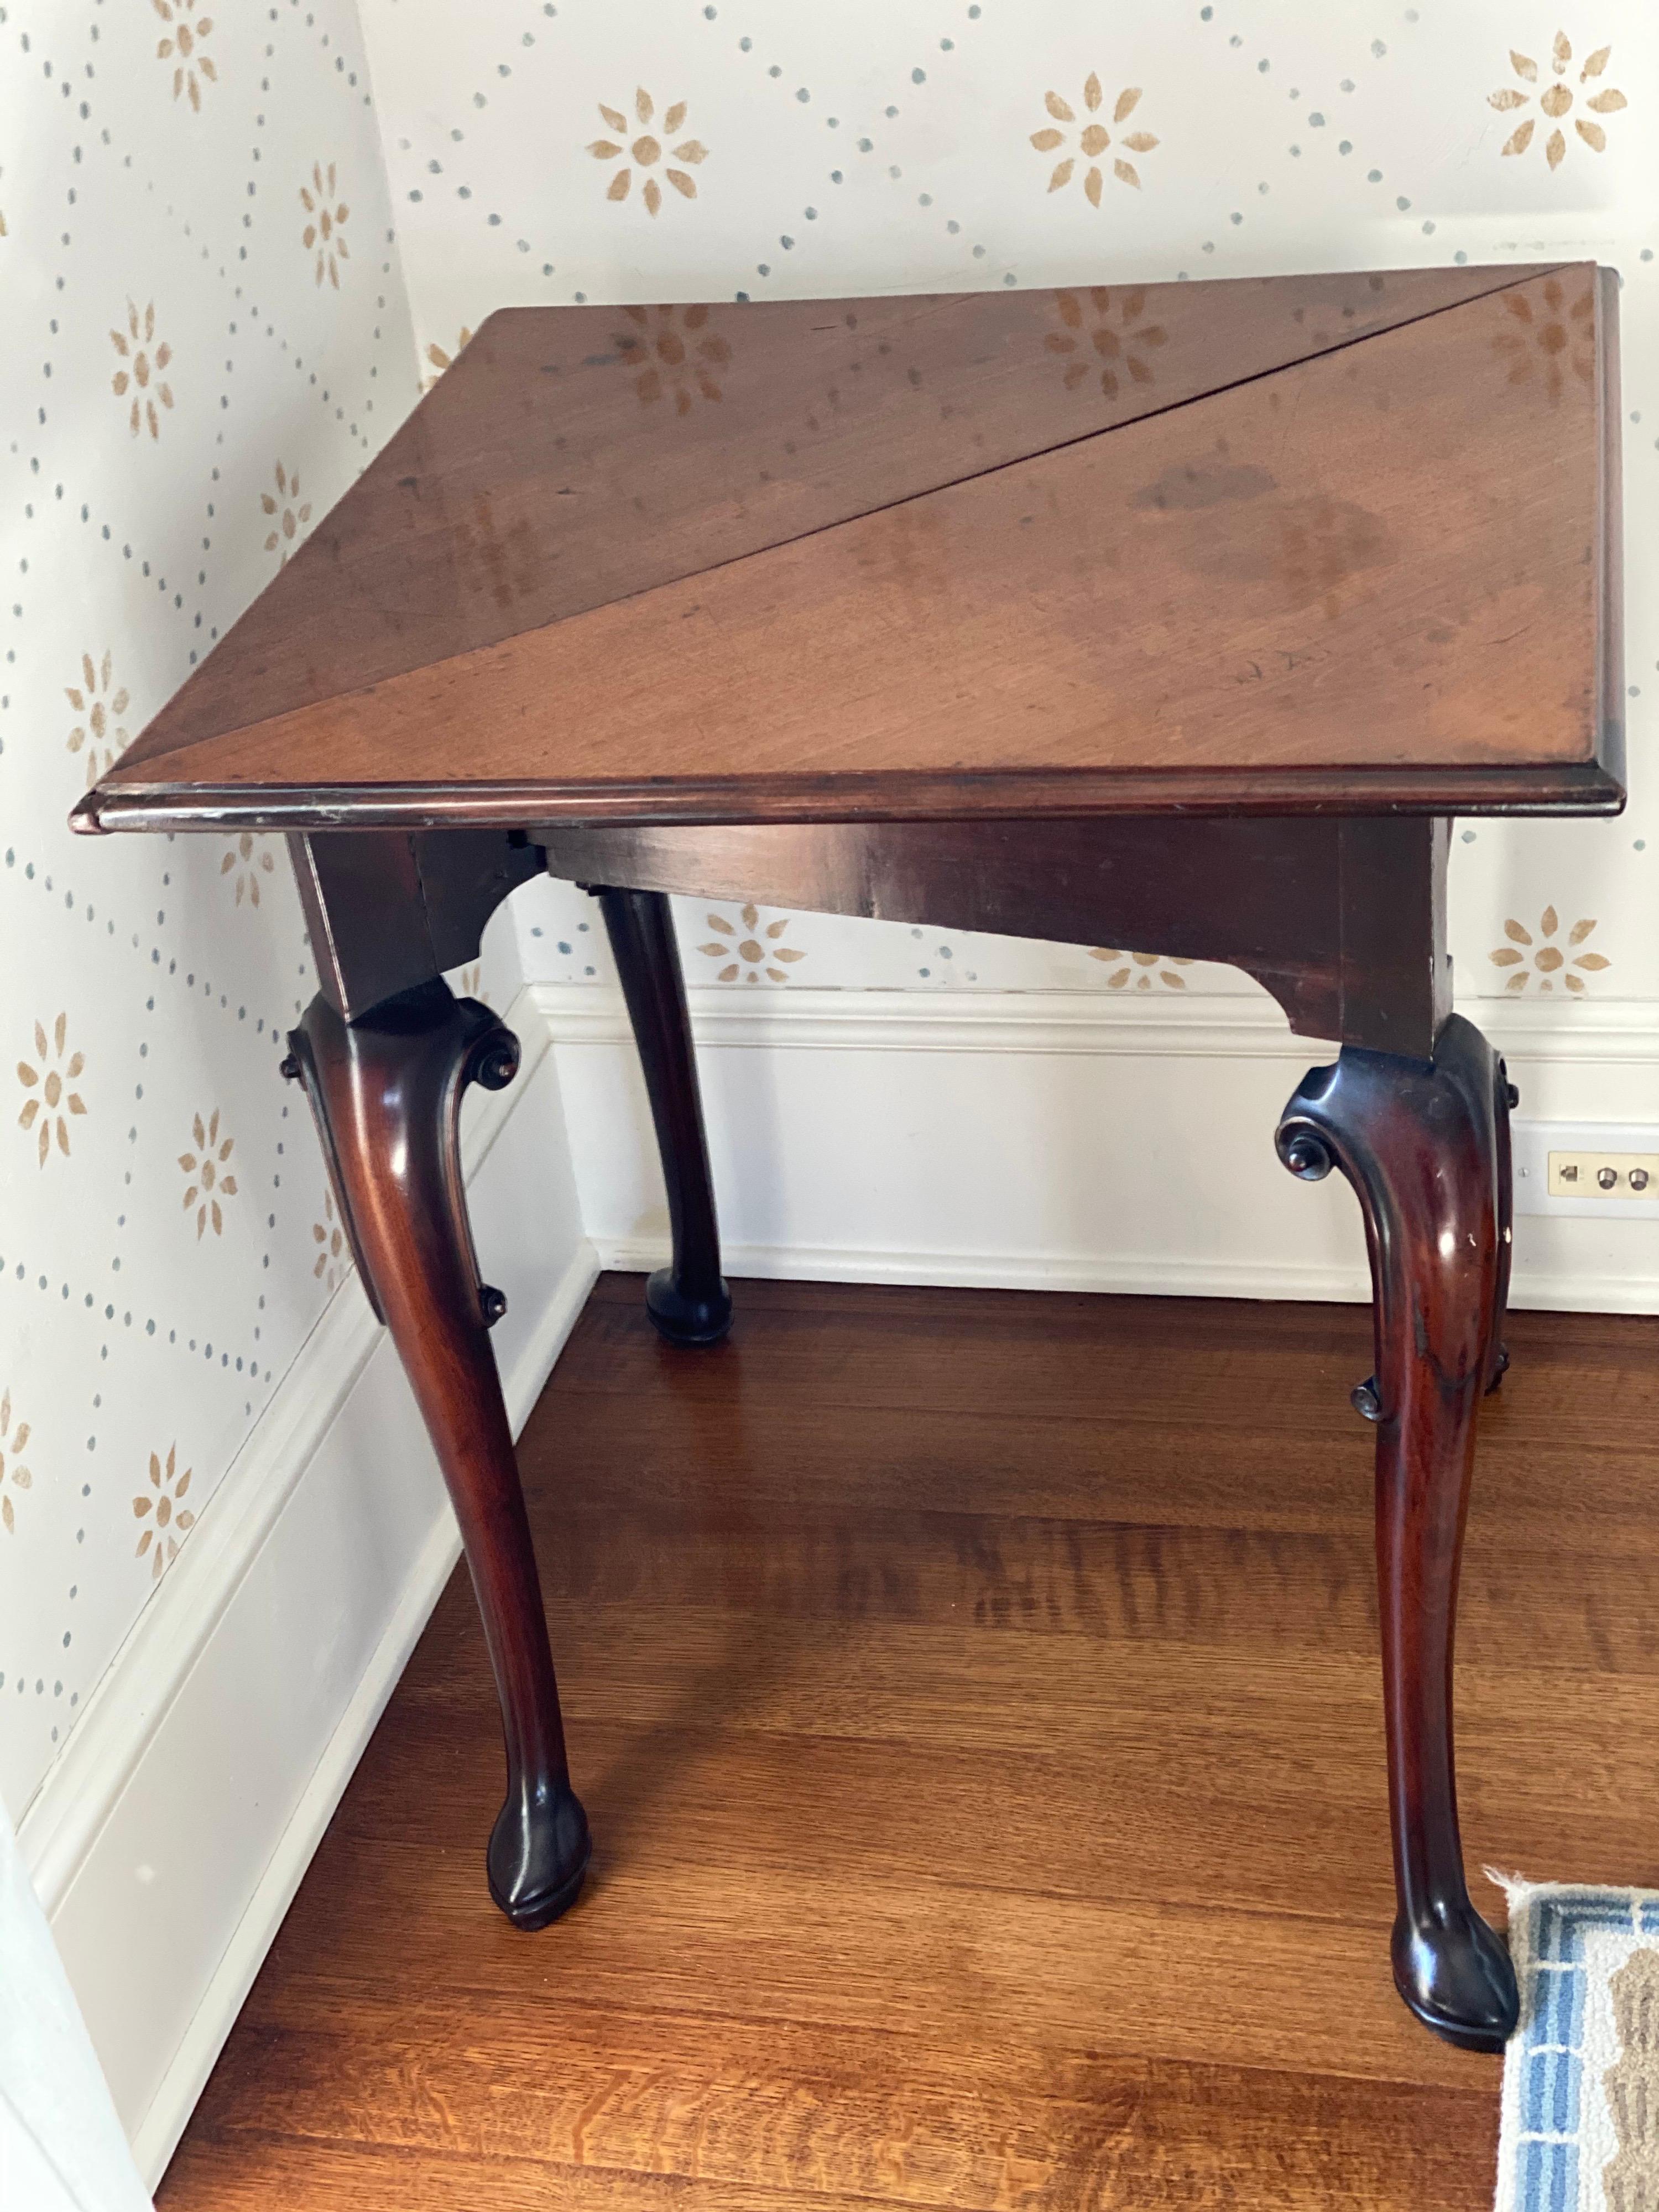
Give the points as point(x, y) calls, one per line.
point(1456, 1975)
point(538, 1857)
point(683, 1320)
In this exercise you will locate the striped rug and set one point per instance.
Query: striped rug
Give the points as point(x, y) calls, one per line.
point(1581, 2075)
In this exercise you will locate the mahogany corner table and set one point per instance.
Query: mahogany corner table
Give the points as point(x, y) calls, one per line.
point(1182, 618)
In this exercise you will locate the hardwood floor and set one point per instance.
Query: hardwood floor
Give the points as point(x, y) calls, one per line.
point(975, 1701)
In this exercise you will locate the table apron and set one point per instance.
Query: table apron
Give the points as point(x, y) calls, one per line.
point(1341, 919)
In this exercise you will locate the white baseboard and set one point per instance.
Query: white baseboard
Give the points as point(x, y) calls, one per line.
point(1142, 1275)
point(1053, 1140)
point(1217, 1025)
point(1138, 1275)
point(155, 2136)
point(167, 1840)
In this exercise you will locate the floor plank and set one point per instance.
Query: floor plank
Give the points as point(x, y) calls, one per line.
point(817, 2113)
point(974, 1696)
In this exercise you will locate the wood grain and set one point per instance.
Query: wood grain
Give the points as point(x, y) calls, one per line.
point(1420, 1146)
point(1379, 573)
point(1343, 921)
point(975, 1698)
point(539, 479)
point(386, 1096)
point(687, 1300)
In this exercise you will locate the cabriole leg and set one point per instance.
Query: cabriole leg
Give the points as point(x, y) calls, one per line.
point(1418, 1143)
point(1505, 1098)
point(688, 1300)
point(386, 1090)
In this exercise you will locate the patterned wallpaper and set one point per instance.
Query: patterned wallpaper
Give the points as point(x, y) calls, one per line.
point(665, 151)
point(210, 329)
point(206, 337)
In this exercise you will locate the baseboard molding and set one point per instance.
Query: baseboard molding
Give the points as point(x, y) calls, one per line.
point(1053, 1140)
point(156, 2136)
point(1143, 1275)
point(190, 1799)
point(1587, 1032)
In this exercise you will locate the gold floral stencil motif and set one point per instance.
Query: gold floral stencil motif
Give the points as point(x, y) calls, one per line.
point(329, 1237)
point(101, 735)
point(1140, 970)
point(440, 361)
point(205, 1170)
point(1556, 102)
point(646, 151)
point(14, 1475)
point(166, 1518)
point(754, 951)
point(1540, 959)
point(671, 358)
point(143, 362)
point(1120, 347)
point(287, 515)
point(325, 233)
point(47, 1079)
point(248, 859)
point(1093, 139)
point(182, 45)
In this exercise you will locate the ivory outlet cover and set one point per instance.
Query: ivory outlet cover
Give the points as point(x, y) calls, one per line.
point(1589, 1146)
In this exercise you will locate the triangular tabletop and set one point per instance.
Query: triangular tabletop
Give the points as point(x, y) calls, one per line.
point(1285, 543)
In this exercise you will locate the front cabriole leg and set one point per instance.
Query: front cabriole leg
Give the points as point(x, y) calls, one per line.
point(1418, 1143)
point(1506, 1099)
point(386, 1090)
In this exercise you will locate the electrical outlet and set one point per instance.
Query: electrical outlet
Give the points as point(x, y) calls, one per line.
point(1592, 1170)
point(1603, 1174)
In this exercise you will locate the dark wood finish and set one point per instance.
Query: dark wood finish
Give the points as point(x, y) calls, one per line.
point(539, 480)
point(385, 911)
point(386, 1091)
point(464, 877)
point(1379, 575)
point(688, 1300)
point(1344, 922)
point(1278, 792)
point(1506, 1099)
point(1419, 1146)
point(365, 917)
point(976, 1696)
point(897, 614)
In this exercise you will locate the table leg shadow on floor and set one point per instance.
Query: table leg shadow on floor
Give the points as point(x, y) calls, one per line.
point(974, 1696)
